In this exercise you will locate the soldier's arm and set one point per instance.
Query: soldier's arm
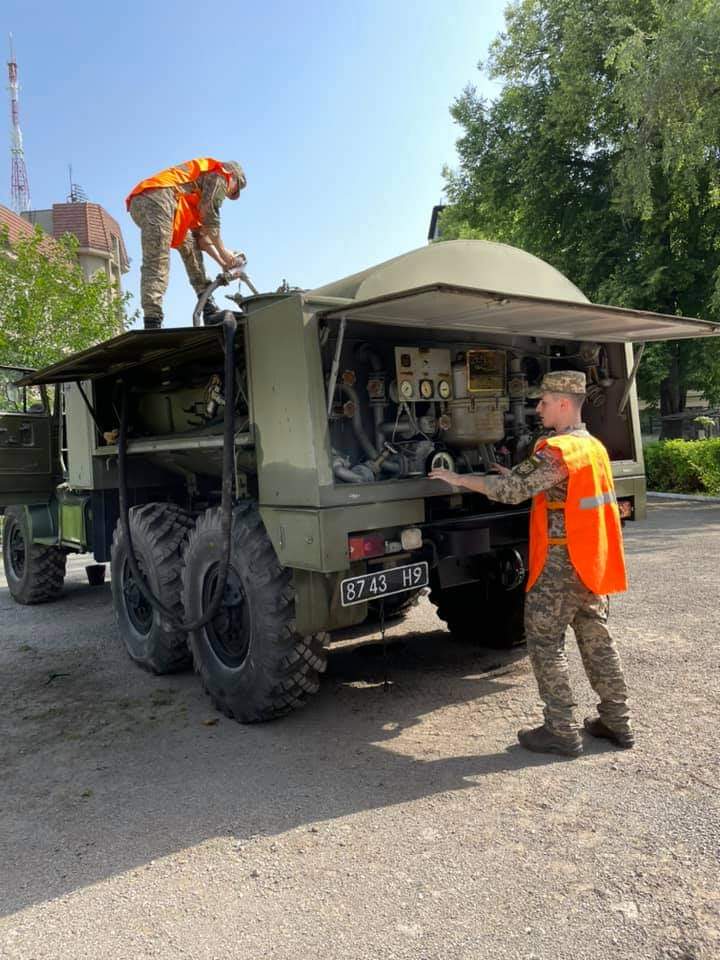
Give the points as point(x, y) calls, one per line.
point(213, 192)
point(209, 248)
point(541, 471)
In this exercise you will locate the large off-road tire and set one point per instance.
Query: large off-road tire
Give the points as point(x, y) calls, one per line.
point(252, 662)
point(35, 574)
point(491, 620)
point(159, 532)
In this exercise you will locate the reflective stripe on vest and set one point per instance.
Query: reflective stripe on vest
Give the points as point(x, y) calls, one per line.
point(590, 503)
point(592, 519)
point(187, 205)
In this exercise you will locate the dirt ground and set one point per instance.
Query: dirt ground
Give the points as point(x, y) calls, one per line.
point(386, 820)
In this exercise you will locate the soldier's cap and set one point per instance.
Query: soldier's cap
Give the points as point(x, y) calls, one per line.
point(232, 166)
point(572, 382)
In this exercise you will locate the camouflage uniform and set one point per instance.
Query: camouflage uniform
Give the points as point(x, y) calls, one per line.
point(559, 599)
point(153, 211)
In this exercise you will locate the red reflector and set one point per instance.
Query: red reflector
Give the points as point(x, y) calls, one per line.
point(626, 508)
point(363, 547)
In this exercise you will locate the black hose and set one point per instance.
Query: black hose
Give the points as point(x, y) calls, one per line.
point(226, 504)
point(205, 296)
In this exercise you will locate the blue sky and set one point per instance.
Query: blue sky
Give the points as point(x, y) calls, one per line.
point(338, 111)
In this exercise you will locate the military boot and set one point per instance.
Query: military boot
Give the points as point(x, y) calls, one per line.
point(597, 728)
point(542, 740)
point(211, 313)
point(152, 323)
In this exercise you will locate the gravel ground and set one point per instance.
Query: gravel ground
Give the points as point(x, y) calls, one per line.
point(391, 821)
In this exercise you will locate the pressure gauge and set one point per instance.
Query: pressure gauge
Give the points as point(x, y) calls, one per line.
point(444, 389)
point(426, 389)
point(406, 389)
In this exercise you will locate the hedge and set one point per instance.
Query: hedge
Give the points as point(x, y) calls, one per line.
point(684, 466)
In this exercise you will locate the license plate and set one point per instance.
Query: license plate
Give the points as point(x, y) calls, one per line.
point(384, 583)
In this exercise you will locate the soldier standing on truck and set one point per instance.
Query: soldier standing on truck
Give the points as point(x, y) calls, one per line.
point(576, 560)
point(180, 207)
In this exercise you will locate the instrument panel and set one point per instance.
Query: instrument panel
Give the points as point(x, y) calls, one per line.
point(423, 374)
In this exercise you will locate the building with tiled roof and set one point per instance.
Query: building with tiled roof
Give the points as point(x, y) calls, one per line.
point(101, 241)
point(17, 228)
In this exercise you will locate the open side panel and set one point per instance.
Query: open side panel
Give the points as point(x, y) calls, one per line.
point(444, 306)
point(137, 348)
point(27, 469)
point(407, 397)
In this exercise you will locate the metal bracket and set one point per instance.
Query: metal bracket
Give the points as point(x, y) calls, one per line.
point(90, 407)
point(631, 379)
point(335, 365)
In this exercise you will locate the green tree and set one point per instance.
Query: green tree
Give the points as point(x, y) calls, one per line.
point(601, 155)
point(48, 308)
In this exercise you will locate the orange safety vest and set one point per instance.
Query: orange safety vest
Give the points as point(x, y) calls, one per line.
point(592, 519)
point(187, 205)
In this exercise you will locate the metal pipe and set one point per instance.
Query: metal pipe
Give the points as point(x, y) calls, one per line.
point(335, 365)
point(346, 474)
point(248, 282)
point(379, 416)
point(221, 280)
point(365, 352)
point(358, 428)
point(404, 427)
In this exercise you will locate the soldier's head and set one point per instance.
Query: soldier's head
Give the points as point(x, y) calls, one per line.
point(562, 395)
point(238, 180)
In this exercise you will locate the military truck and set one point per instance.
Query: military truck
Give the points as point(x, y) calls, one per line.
point(261, 484)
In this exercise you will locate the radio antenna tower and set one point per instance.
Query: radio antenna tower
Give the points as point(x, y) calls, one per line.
point(19, 186)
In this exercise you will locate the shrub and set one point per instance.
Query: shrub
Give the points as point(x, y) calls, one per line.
point(684, 466)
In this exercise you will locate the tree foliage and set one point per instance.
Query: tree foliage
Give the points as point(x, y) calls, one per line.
point(48, 308)
point(601, 155)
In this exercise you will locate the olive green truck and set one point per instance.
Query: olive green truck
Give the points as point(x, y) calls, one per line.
point(260, 484)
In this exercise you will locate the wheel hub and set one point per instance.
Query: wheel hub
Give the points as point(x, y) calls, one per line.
point(18, 552)
point(230, 630)
point(139, 611)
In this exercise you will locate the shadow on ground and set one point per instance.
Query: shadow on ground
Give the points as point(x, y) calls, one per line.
point(107, 768)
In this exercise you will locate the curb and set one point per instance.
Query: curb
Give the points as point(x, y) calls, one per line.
point(687, 497)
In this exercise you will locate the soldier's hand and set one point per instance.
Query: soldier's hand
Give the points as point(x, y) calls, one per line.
point(499, 468)
point(449, 476)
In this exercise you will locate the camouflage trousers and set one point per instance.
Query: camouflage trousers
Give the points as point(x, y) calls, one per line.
point(153, 212)
point(557, 600)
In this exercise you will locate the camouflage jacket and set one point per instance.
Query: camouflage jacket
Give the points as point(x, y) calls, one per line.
point(213, 190)
point(545, 471)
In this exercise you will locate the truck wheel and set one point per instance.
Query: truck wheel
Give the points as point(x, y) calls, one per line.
point(252, 662)
point(35, 574)
point(158, 531)
point(495, 623)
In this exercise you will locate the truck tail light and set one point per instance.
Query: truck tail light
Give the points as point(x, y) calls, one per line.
point(366, 545)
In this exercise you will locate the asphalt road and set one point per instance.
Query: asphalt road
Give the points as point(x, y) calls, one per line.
point(392, 819)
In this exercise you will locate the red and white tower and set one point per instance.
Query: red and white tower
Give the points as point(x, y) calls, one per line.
point(19, 185)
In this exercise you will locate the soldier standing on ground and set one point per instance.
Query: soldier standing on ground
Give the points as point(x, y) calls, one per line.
point(180, 207)
point(576, 560)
